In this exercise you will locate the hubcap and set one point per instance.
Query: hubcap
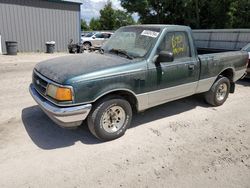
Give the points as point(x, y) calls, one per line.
point(113, 119)
point(221, 92)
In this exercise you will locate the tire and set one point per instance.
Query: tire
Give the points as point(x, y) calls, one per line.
point(86, 45)
point(219, 92)
point(110, 118)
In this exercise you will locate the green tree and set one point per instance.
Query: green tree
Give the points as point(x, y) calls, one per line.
point(111, 19)
point(84, 25)
point(94, 24)
point(214, 14)
point(195, 13)
point(107, 18)
point(141, 7)
point(122, 19)
point(239, 14)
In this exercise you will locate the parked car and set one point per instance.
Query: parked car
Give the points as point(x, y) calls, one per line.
point(138, 68)
point(247, 48)
point(95, 39)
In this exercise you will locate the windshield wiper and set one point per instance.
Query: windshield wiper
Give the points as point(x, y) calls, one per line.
point(120, 51)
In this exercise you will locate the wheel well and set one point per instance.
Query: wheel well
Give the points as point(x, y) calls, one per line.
point(228, 73)
point(88, 43)
point(125, 95)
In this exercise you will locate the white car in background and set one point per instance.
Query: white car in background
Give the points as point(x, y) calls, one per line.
point(95, 39)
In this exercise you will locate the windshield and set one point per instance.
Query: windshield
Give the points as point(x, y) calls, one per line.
point(135, 41)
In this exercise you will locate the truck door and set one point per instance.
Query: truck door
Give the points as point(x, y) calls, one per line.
point(178, 78)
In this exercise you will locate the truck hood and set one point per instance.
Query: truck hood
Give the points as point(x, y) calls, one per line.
point(63, 68)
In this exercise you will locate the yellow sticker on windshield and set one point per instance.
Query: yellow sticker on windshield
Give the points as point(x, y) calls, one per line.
point(149, 33)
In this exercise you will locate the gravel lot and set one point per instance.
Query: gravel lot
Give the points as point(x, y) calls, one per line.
point(185, 143)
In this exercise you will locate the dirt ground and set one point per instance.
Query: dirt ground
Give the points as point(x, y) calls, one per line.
point(185, 143)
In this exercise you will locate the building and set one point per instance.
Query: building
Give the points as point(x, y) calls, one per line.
point(34, 22)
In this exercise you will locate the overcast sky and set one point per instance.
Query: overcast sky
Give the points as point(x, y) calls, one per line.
point(91, 8)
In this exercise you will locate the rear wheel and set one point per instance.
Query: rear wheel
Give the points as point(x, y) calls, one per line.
point(219, 92)
point(110, 118)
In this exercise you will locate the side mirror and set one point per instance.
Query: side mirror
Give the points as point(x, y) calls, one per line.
point(165, 56)
point(93, 37)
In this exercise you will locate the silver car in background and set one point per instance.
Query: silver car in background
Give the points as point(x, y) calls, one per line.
point(95, 39)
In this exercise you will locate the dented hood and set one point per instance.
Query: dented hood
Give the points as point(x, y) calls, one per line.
point(63, 68)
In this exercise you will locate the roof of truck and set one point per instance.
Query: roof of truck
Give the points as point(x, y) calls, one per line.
point(160, 26)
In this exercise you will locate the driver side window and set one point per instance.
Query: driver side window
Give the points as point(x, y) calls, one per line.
point(166, 44)
point(177, 43)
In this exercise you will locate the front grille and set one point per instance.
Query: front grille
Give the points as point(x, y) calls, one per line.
point(39, 83)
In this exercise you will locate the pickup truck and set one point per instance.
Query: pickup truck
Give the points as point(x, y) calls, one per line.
point(140, 67)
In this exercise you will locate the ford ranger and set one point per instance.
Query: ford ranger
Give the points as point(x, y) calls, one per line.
point(138, 68)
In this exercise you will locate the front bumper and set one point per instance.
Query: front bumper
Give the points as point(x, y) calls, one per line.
point(63, 116)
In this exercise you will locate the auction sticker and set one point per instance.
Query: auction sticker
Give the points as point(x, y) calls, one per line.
point(149, 33)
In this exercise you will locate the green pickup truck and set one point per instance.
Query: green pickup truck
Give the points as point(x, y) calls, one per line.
point(138, 68)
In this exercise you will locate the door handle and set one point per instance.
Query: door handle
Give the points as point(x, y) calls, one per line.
point(191, 66)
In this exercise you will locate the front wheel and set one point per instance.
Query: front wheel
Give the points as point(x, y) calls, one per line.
point(110, 118)
point(219, 92)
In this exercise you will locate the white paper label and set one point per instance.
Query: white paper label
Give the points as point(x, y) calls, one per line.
point(149, 33)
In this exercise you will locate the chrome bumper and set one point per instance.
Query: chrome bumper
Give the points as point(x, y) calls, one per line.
point(63, 116)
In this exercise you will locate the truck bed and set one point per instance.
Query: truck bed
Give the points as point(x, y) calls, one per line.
point(213, 62)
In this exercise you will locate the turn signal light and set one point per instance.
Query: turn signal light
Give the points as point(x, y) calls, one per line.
point(63, 94)
point(60, 93)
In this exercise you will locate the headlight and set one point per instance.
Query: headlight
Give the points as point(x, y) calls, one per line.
point(59, 93)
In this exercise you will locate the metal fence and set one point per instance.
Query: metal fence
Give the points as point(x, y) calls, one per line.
point(222, 39)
